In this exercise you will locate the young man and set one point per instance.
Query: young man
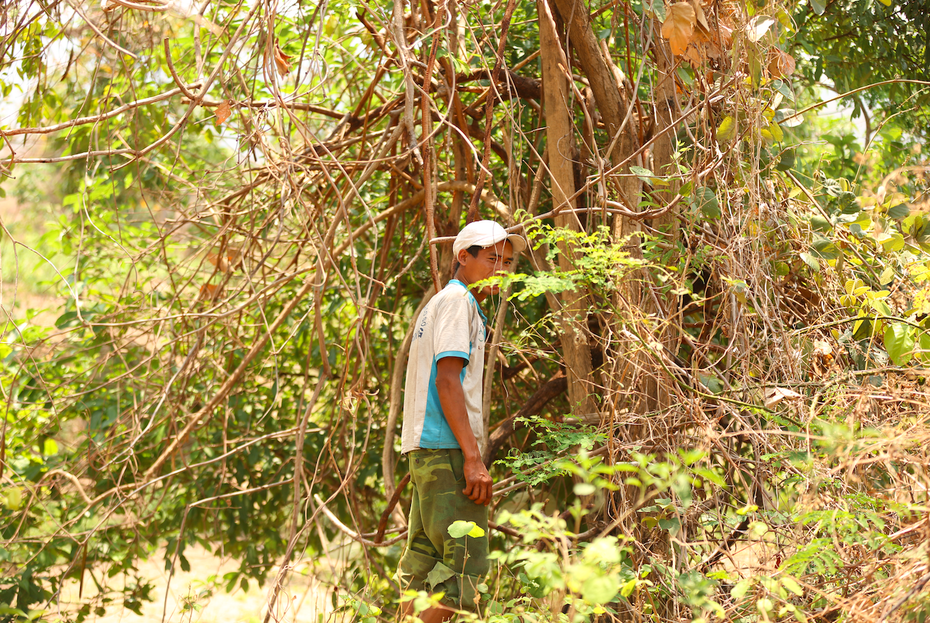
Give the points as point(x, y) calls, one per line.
point(444, 429)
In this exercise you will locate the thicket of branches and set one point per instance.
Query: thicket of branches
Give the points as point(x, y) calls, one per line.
point(247, 204)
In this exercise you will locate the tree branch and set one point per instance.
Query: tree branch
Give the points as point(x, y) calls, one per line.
point(552, 388)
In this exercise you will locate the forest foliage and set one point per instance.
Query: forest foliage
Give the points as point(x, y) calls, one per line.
point(707, 389)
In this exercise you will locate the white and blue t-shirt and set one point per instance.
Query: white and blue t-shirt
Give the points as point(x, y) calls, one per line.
point(451, 325)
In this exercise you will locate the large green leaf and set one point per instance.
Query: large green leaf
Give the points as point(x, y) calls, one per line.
point(899, 342)
point(705, 199)
point(600, 589)
point(460, 528)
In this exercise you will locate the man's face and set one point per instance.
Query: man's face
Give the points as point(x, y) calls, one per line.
point(489, 262)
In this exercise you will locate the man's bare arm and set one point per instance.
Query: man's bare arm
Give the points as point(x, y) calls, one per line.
point(452, 398)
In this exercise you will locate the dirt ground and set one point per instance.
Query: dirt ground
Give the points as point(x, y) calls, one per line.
point(303, 601)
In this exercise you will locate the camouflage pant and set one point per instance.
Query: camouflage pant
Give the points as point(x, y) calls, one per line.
point(433, 560)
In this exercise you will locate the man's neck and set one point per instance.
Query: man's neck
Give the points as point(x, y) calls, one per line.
point(478, 295)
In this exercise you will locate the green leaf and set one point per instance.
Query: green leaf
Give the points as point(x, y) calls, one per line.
point(739, 591)
point(899, 212)
point(757, 529)
point(628, 587)
point(690, 456)
point(11, 610)
point(863, 222)
point(726, 129)
point(13, 499)
point(882, 308)
point(711, 382)
point(825, 249)
point(584, 488)
point(749, 508)
point(811, 261)
point(787, 160)
point(818, 6)
point(887, 276)
point(657, 7)
point(440, 573)
point(924, 343)
point(782, 87)
point(899, 342)
point(773, 133)
point(600, 589)
point(643, 174)
point(705, 199)
point(49, 447)
point(820, 224)
point(460, 528)
point(792, 585)
point(476, 533)
point(711, 475)
point(891, 242)
point(604, 550)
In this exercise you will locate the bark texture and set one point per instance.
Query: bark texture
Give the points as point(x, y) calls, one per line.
point(560, 138)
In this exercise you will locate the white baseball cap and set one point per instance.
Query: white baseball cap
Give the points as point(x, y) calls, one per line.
point(485, 234)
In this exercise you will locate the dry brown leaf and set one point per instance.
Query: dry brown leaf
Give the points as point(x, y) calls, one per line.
point(823, 349)
point(218, 261)
point(222, 113)
point(714, 51)
point(705, 43)
point(781, 64)
point(823, 357)
point(210, 292)
point(725, 31)
point(774, 395)
point(234, 255)
point(759, 27)
point(694, 54)
point(203, 22)
point(281, 60)
point(678, 27)
point(699, 14)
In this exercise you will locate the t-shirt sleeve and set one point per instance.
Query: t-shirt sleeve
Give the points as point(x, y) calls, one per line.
point(450, 337)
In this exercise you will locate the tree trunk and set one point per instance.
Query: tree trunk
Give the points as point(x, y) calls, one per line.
point(560, 139)
point(663, 309)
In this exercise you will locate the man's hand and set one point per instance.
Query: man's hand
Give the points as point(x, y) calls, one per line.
point(478, 482)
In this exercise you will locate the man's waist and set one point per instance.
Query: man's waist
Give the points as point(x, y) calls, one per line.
point(432, 451)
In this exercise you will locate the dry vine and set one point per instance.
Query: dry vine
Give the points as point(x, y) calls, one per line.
point(244, 353)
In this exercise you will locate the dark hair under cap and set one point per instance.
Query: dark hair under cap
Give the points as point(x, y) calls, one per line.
point(473, 251)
